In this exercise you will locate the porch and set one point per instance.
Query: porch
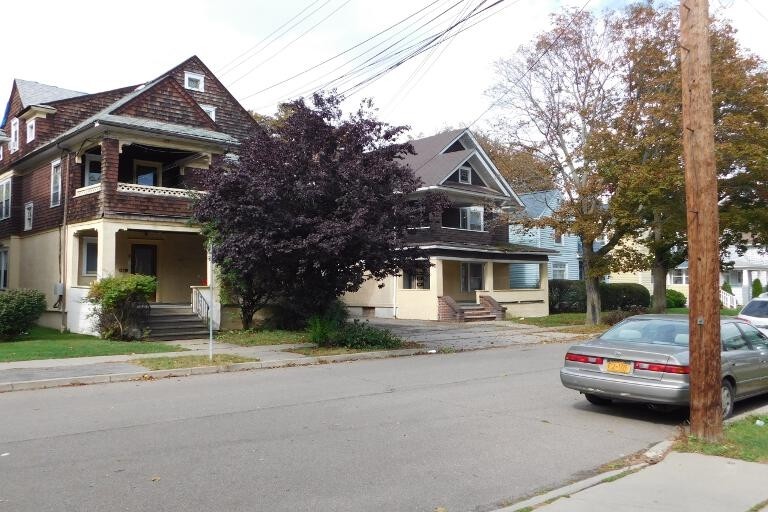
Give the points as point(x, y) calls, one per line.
point(176, 255)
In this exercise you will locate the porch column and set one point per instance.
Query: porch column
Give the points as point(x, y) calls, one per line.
point(110, 161)
point(106, 256)
point(488, 276)
point(436, 276)
point(746, 286)
point(544, 275)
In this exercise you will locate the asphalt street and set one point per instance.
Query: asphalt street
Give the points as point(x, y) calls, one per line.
point(466, 431)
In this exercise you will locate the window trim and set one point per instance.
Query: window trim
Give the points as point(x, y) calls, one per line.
point(465, 212)
point(29, 215)
point(564, 268)
point(210, 110)
point(14, 144)
point(3, 183)
point(4, 268)
point(683, 276)
point(198, 76)
point(148, 163)
point(84, 256)
point(468, 169)
point(90, 157)
point(1, 152)
point(31, 130)
point(56, 164)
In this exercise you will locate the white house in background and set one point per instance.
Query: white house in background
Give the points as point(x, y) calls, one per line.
point(565, 263)
point(753, 264)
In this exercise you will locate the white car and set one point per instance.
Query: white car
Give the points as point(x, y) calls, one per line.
point(756, 312)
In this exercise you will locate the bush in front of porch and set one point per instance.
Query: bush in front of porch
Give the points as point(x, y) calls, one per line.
point(332, 330)
point(121, 306)
point(19, 309)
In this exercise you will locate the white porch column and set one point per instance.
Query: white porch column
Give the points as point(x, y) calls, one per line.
point(436, 276)
point(746, 286)
point(213, 287)
point(544, 276)
point(105, 265)
point(488, 276)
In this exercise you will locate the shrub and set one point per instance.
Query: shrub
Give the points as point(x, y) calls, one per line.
point(624, 296)
point(757, 288)
point(19, 309)
point(322, 330)
point(120, 305)
point(726, 287)
point(567, 296)
point(617, 315)
point(362, 335)
point(675, 299)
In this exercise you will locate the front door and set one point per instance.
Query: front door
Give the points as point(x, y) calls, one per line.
point(144, 260)
point(471, 277)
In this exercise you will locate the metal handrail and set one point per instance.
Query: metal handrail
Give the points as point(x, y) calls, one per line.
point(200, 306)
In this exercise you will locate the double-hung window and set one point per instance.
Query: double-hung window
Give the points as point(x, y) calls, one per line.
point(465, 174)
point(90, 256)
point(5, 199)
point(680, 276)
point(471, 218)
point(30, 130)
point(56, 183)
point(3, 268)
point(559, 270)
point(92, 170)
point(14, 145)
point(28, 212)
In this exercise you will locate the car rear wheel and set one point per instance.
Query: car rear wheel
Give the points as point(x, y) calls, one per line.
point(597, 400)
point(726, 398)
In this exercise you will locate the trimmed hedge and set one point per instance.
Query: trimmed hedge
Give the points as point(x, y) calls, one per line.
point(567, 296)
point(675, 299)
point(121, 309)
point(19, 310)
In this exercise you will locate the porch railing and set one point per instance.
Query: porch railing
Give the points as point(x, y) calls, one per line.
point(200, 305)
point(728, 300)
point(134, 188)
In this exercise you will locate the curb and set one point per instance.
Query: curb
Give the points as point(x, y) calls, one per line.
point(202, 370)
point(653, 455)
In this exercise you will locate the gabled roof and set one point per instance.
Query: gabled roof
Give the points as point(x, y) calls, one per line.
point(35, 93)
point(538, 204)
point(427, 163)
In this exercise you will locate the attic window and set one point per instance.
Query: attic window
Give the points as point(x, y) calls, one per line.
point(14, 144)
point(465, 174)
point(194, 81)
point(30, 130)
point(456, 146)
point(210, 110)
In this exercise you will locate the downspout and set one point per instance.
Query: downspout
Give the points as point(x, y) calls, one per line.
point(63, 246)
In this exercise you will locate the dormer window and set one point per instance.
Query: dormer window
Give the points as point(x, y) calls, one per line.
point(30, 130)
point(14, 145)
point(194, 81)
point(465, 174)
point(210, 110)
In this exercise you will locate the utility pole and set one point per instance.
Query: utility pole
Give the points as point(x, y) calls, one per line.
point(702, 217)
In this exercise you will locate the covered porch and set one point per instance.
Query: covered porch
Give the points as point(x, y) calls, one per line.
point(175, 254)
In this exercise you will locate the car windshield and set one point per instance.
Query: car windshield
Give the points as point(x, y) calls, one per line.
point(649, 330)
point(758, 308)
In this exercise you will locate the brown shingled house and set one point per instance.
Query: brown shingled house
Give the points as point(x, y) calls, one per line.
point(476, 273)
point(100, 184)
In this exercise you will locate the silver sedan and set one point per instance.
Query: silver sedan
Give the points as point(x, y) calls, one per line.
point(645, 359)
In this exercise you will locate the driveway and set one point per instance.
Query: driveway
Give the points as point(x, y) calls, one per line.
point(472, 335)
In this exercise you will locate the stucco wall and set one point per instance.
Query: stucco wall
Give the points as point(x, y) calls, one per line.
point(39, 262)
point(370, 295)
point(452, 282)
point(417, 304)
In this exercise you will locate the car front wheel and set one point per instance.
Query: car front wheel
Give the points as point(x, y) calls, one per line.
point(597, 400)
point(726, 398)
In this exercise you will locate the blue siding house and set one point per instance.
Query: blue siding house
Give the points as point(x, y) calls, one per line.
point(564, 264)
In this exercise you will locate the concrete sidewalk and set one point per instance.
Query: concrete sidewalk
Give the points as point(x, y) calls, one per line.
point(666, 482)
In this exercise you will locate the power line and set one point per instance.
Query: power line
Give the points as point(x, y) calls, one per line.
point(433, 41)
point(303, 89)
point(756, 10)
point(528, 70)
point(341, 53)
point(310, 29)
point(222, 72)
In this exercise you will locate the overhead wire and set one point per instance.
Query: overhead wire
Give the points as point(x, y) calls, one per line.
point(312, 68)
point(310, 29)
point(223, 70)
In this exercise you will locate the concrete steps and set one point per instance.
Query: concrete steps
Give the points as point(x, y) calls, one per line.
point(175, 322)
point(476, 312)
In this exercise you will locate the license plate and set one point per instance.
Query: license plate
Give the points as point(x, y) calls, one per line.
point(618, 367)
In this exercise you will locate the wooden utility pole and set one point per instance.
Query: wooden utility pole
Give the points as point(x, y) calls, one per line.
point(702, 216)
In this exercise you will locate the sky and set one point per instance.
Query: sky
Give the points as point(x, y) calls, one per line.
point(92, 46)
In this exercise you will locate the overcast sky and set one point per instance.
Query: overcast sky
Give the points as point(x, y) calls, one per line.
point(92, 46)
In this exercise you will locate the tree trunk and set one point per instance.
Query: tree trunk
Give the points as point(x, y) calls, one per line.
point(592, 285)
point(659, 277)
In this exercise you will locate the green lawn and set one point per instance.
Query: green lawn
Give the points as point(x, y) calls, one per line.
point(44, 343)
point(743, 440)
point(254, 337)
point(173, 363)
point(724, 312)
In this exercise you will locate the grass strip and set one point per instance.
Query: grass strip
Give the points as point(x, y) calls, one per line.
point(173, 363)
